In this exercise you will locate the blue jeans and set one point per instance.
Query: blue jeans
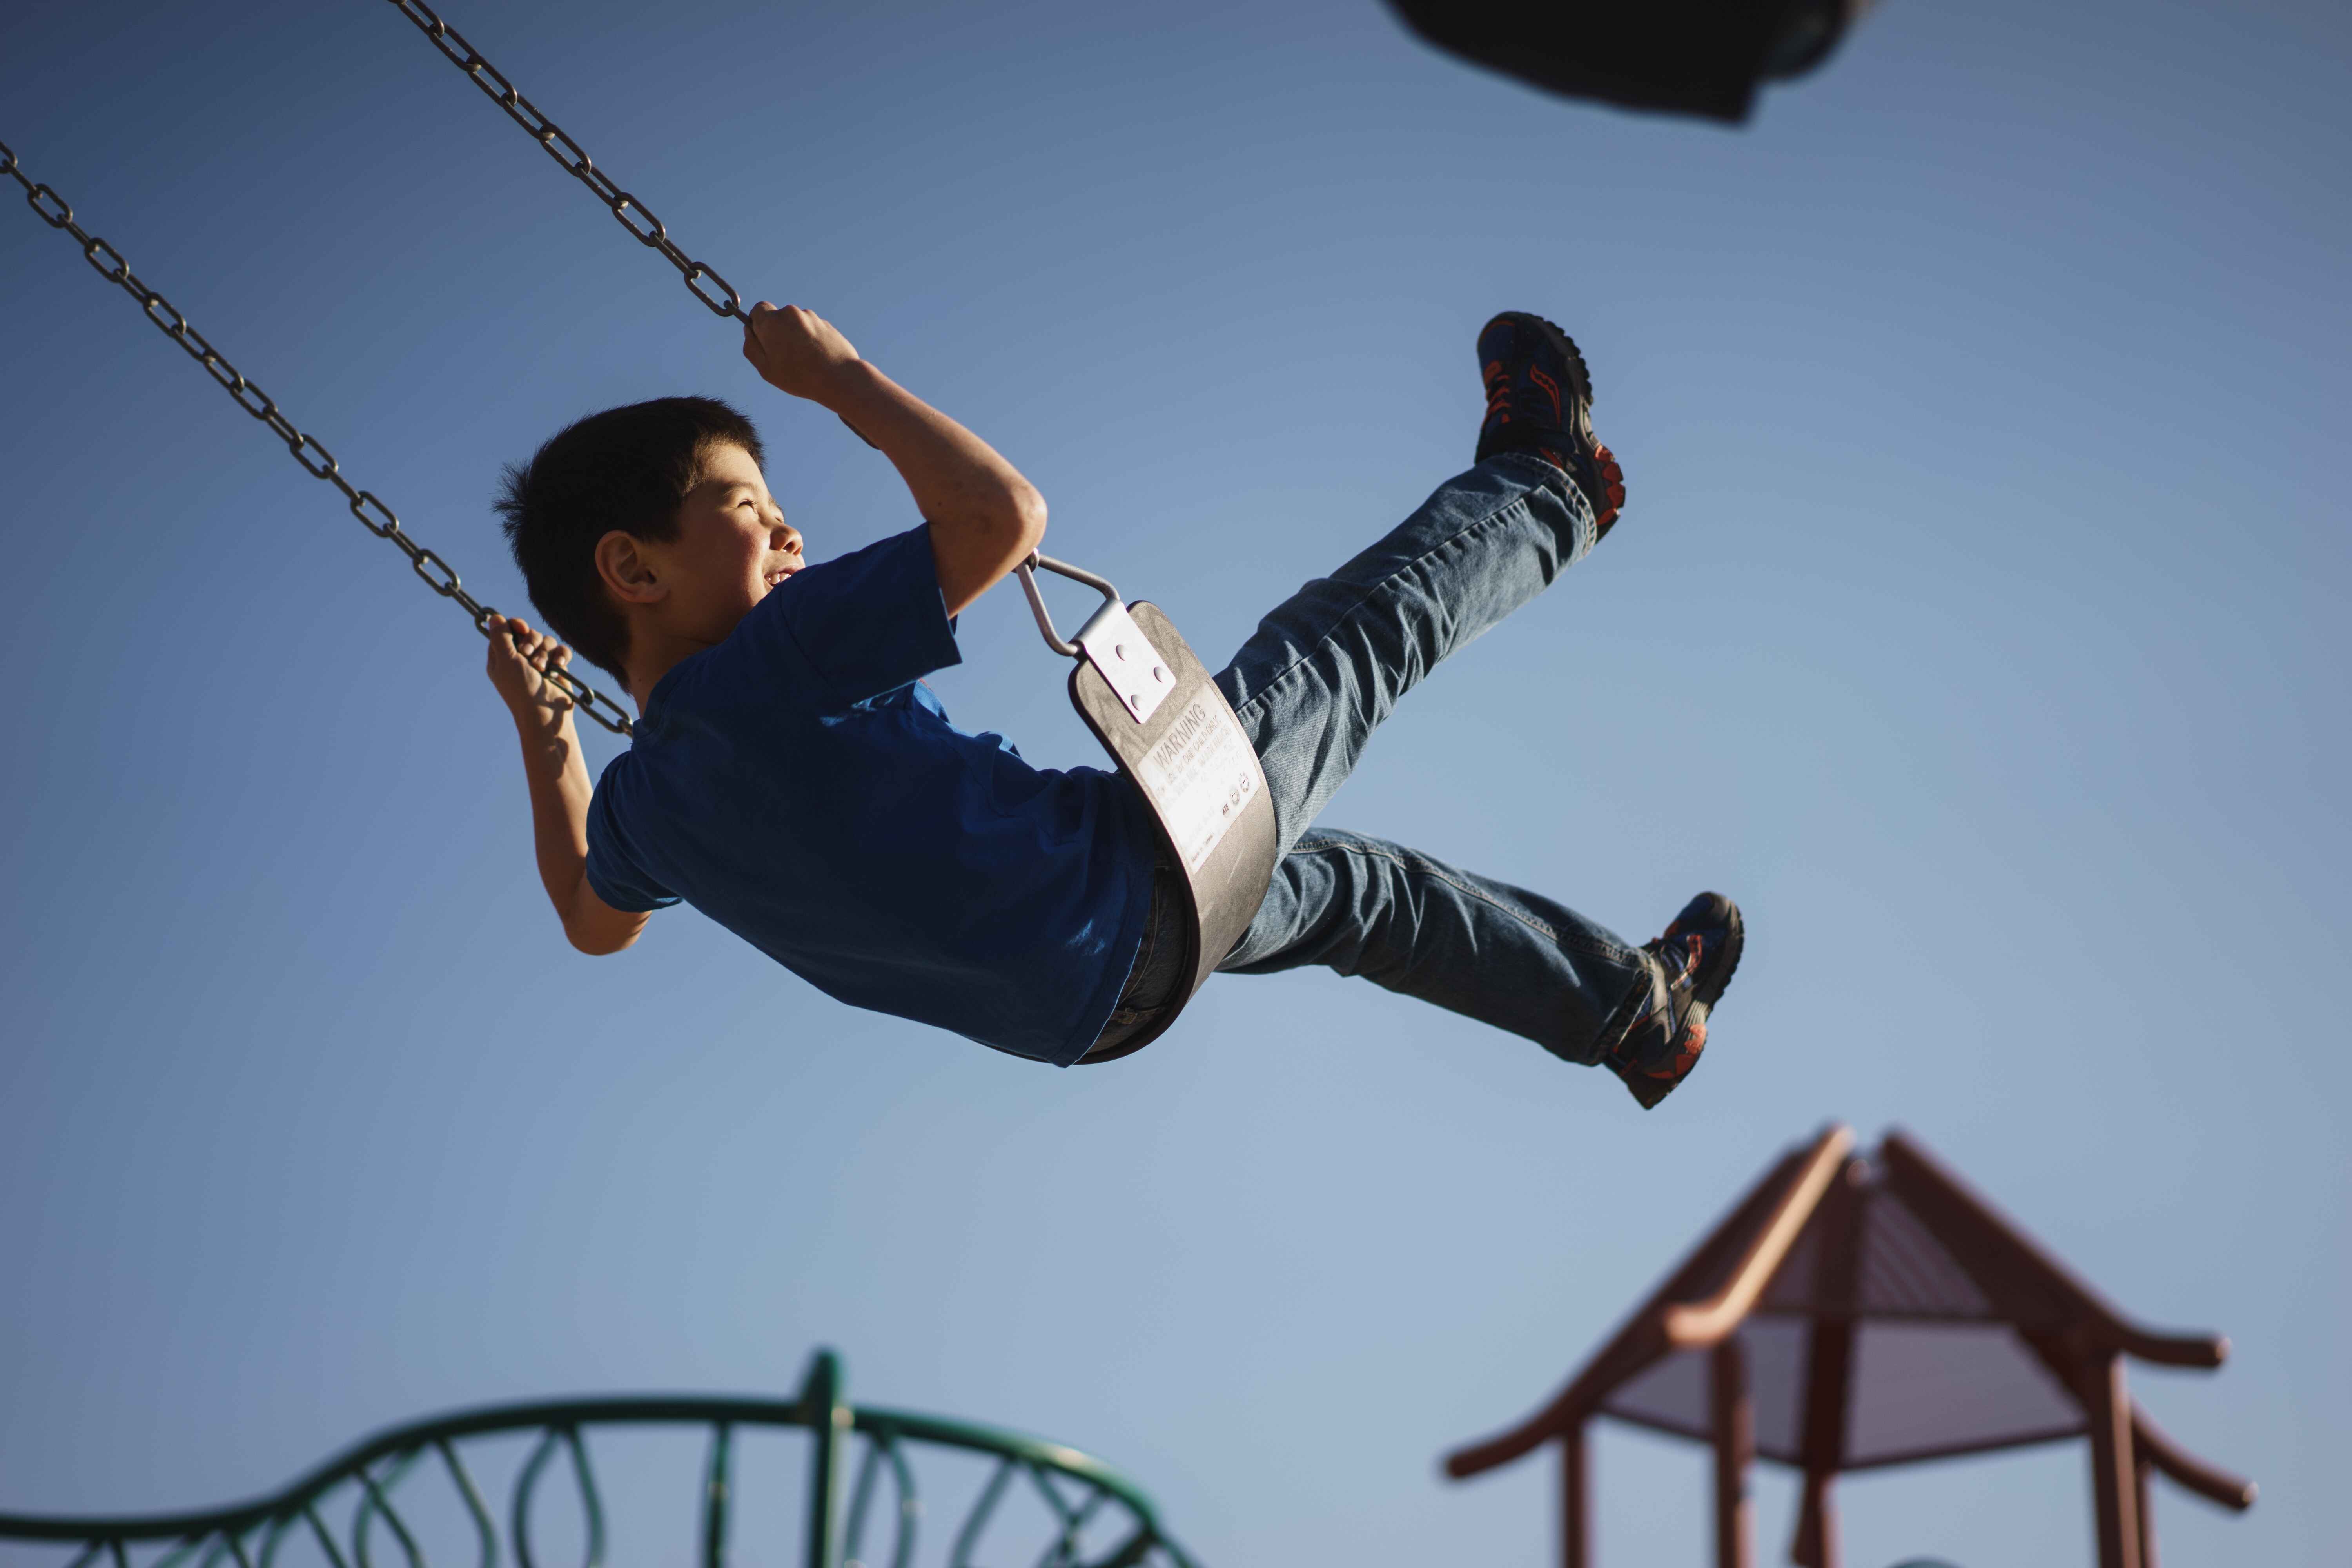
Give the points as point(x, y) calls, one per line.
point(1311, 685)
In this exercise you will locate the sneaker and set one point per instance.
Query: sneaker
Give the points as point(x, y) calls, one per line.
point(1539, 400)
point(1689, 967)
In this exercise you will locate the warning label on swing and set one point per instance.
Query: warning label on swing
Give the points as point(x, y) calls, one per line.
point(1201, 774)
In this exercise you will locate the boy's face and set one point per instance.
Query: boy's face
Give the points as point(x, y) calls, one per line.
point(732, 547)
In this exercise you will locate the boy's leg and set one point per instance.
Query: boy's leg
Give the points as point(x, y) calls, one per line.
point(1496, 953)
point(1326, 667)
point(1499, 954)
point(1319, 677)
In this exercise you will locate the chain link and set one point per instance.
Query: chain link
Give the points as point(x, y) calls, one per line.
point(702, 280)
point(316, 461)
point(627, 211)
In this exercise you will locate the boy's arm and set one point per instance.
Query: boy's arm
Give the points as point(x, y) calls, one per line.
point(560, 790)
point(985, 518)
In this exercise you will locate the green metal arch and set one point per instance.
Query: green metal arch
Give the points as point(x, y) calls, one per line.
point(1077, 1488)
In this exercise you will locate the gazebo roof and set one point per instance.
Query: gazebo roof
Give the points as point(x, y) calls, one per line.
point(1882, 1313)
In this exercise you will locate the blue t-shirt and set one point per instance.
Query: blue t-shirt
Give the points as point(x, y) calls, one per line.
point(799, 784)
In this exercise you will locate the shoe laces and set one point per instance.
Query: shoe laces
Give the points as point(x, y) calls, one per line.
point(1678, 957)
point(1498, 391)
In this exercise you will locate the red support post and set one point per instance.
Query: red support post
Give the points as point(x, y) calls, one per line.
point(1575, 1499)
point(1816, 1542)
point(1829, 1366)
point(1735, 1445)
point(2115, 1484)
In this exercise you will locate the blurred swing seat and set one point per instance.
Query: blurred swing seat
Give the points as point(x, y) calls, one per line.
point(1705, 58)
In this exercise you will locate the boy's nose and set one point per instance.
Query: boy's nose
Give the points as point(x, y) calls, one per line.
point(787, 538)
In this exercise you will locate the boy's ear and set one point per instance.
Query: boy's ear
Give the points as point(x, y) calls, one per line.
point(621, 561)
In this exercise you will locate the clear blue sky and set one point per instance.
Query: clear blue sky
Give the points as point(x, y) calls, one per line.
point(1979, 621)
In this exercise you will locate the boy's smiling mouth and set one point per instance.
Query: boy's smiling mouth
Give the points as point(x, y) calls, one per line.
point(780, 573)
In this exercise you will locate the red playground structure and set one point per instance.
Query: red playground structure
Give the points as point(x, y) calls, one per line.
point(1855, 1312)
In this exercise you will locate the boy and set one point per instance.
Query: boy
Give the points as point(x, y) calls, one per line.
point(794, 779)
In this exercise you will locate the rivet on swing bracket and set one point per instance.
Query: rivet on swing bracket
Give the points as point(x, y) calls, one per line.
point(1110, 640)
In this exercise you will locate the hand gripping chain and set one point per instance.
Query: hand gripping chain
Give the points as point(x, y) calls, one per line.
point(630, 213)
point(316, 461)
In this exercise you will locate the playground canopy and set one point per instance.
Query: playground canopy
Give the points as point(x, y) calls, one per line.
point(1854, 1313)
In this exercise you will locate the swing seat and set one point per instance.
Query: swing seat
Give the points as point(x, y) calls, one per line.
point(1153, 704)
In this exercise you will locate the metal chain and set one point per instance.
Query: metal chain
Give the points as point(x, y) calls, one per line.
point(316, 461)
point(630, 213)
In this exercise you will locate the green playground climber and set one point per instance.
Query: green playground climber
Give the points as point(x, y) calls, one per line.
point(793, 777)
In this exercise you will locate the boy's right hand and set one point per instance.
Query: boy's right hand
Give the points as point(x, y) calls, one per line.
point(796, 351)
point(519, 661)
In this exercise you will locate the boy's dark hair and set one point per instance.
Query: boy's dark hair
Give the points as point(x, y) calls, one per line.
point(625, 469)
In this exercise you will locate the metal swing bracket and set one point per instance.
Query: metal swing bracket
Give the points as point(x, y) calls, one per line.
point(1109, 639)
